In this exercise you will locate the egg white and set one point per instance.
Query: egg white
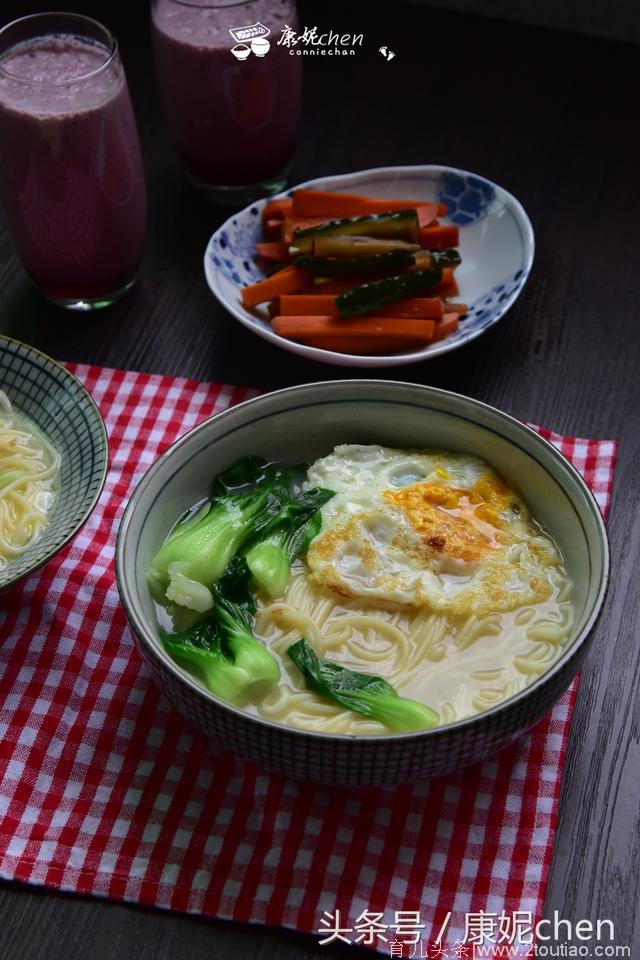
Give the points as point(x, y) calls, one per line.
point(385, 534)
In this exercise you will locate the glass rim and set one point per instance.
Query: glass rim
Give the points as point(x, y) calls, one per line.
point(111, 47)
point(212, 5)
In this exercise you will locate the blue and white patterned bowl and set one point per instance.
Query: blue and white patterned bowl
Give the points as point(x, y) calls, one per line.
point(496, 245)
point(64, 411)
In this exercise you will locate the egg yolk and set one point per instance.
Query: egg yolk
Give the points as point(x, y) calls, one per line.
point(461, 524)
point(492, 490)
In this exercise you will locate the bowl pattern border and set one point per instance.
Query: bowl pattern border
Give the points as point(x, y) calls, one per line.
point(347, 760)
point(63, 409)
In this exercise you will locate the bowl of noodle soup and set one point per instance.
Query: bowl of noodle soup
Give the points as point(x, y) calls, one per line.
point(460, 558)
point(53, 458)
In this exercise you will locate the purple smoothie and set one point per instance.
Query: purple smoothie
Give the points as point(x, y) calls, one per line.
point(233, 122)
point(71, 172)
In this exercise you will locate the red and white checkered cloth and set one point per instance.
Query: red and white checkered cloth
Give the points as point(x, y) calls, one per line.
point(106, 790)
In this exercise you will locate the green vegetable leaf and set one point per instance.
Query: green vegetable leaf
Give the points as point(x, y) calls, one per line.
point(241, 475)
point(221, 649)
point(290, 532)
point(363, 693)
point(246, 497)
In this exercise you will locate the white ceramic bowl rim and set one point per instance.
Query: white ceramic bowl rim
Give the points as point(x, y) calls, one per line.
point(145, 633)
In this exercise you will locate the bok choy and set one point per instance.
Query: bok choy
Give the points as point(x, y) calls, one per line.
point(221, 649)
point(363, 693)
point(285, 538)
point(245, 499)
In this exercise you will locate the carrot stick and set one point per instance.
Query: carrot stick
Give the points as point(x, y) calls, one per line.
point(383, 344)
point(333, 287)
point(419, 307)
point(309, 304)
point(290, 224)
point(439, 238)
point(273, 228)
point(446, 289)
point(452, 307)
point(327, 204)
point(446, 326)
point(273, 251)
point(300, 328)
point(277, 209)
point(364, 346)
point(447, 285)
point(427, 214)
point(284, 281)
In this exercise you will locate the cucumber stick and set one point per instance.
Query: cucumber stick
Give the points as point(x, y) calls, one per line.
point(340, 246)
point(401, 225)
point(444, 258)
point(370, 297)
point(356, 266)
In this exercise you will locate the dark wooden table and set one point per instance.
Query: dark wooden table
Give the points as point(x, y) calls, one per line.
point(552, 117)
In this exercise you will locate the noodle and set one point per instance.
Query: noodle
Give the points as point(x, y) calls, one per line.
point(457, 665)
point(29, 467)
point(476, 627)
point(427, 571)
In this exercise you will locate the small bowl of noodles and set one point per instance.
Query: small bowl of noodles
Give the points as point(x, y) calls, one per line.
point(362, 581)
point(53, 458)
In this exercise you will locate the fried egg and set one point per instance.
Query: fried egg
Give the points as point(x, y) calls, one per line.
point(427, 529)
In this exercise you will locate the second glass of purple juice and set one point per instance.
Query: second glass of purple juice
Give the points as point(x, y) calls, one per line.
point(71, 175)
point(232, 106)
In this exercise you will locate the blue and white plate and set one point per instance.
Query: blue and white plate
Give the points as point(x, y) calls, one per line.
point(496, 246)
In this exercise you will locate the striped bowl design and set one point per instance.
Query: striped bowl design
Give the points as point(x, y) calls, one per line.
point(303, 423)
point(64, 411)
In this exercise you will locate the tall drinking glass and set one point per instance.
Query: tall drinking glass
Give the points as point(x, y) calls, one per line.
point(71, 176)
point(231, 93)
